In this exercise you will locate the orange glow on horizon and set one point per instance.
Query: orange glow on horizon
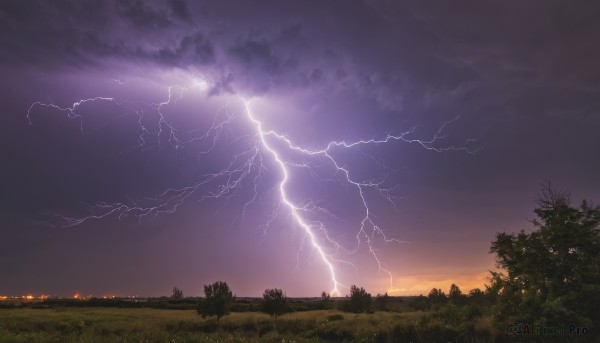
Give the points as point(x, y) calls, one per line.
point(415, 285)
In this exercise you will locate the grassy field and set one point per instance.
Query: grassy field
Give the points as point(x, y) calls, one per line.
point(153, 325)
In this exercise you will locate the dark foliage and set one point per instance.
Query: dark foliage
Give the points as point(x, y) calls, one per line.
point(382, 302)
point(217, 301)
point(455, 295)
point(177, 293)
point(274, 302)
point(553, 273)
point(325, 302)
point(359, 301)
point(436, 298)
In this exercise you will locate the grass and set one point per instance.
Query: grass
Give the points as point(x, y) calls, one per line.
point(154, 325)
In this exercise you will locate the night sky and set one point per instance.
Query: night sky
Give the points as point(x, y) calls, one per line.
point(489, 97)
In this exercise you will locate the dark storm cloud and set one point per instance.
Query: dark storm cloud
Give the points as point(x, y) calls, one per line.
point(256, 54)
point(36, 34)
point(418, 58)
point(523, 50)
point(180, 9)
point(141, 15)
point(258, 65)
point(493, 64)
point(194, 50)
point(403, 57)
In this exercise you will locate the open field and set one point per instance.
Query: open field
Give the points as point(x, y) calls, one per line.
point(154, 325)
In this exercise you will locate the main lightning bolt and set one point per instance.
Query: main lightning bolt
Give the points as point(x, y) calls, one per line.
point(294, 210)
point(249, 164)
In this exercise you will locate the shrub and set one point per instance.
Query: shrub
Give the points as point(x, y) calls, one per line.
point(360, 300)
point(217, 301)
point(274, 302)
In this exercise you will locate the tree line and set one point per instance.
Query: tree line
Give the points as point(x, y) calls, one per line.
point(549, 275)
point(218, 299)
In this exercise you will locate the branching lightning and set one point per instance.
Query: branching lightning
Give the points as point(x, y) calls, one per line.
point(265, 146)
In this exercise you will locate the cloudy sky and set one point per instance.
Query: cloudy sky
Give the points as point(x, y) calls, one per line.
point(143, 144)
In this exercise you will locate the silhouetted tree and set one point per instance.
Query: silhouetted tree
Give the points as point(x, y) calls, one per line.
point(382, 302)
point(553, 273)
point(177, 293)
point(455, 294)
point(436, 297)
point(217, 300)
point(481, 298)
point(420, 303)
point(476, 294)
point(274, 302)
point(360, 300)
point(325, 301)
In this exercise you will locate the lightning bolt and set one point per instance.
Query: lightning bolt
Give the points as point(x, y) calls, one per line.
point(294, 210)
point(250, 164)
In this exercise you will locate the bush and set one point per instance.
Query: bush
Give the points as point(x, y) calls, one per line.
point(274, 302)
point(325, 301)
point(360, 301)
point(217, 302)
point(177, 293)
point(382, 302)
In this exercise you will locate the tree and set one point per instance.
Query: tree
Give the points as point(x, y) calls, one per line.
point(360, 300)
point(476, 295)
point(177, 293)
point(325, 301)
point(274, 302)
point(382, 302)
point(436, 297)
point(553, 272)
point(217, 300)
point(455, 294)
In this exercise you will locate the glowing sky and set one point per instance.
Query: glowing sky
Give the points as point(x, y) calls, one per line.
point(182, 91)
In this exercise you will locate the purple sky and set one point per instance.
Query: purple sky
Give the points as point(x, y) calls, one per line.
point(522, 79)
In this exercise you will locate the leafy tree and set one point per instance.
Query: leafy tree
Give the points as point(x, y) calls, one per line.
point(217, 300)
point(382, 302)
point(436, 297)
point(455, 295)
point(476, 294)
point(360, 300)
point(177, 293)
point(553, 272)
point(420, 303)
point(479, 297)
point(325, 301)
point(274, 302)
